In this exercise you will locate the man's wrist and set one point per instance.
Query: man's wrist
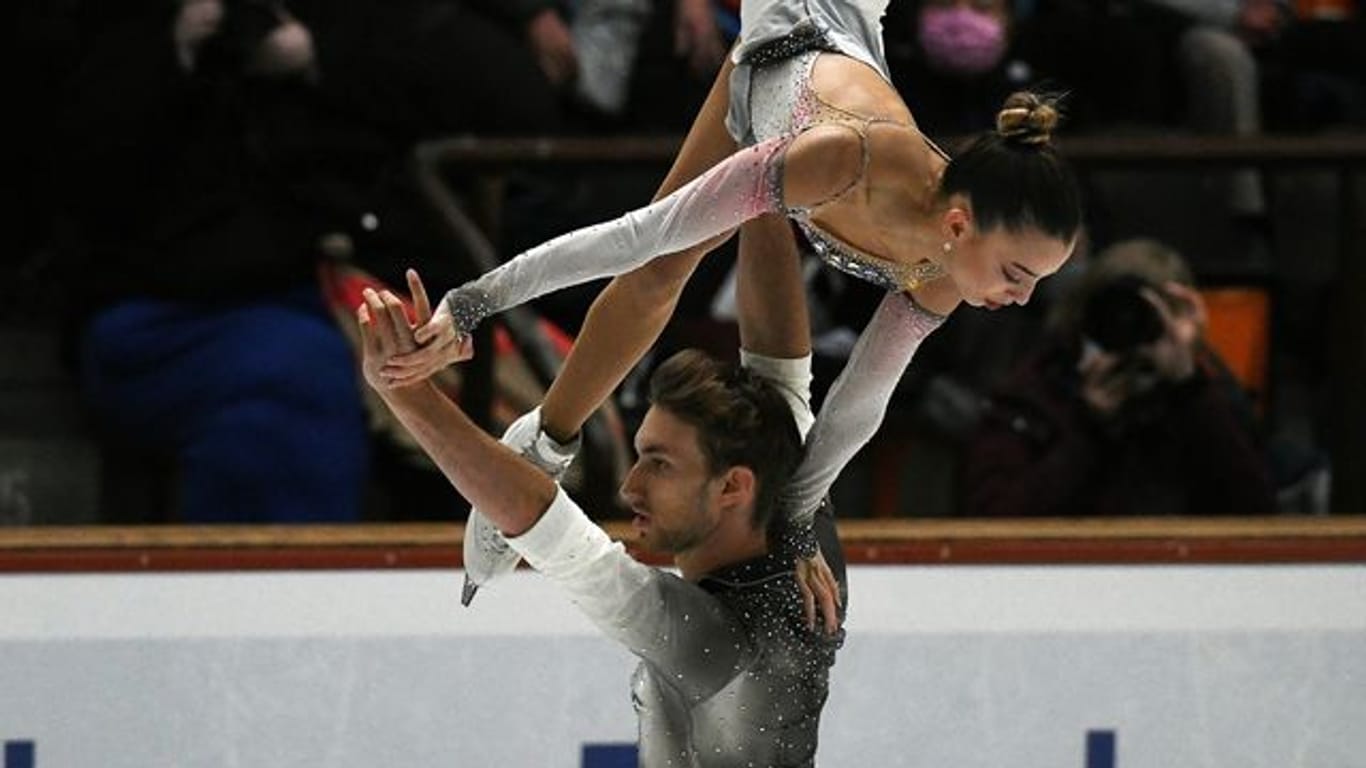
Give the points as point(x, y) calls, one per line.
point(411, 397)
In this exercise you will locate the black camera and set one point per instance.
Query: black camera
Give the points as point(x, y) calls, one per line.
point(1119, 318)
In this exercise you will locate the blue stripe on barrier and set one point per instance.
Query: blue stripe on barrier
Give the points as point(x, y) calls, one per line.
point(18, 754)
point(1100, 749)
point(609, 756)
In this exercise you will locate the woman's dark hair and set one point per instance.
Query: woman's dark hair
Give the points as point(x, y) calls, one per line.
point(741, 420)
point(1014, 176)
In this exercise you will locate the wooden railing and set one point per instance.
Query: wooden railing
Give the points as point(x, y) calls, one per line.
point(1342, 155)
point(429, 545)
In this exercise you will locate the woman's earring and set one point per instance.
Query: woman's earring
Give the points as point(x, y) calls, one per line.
point(948, 246)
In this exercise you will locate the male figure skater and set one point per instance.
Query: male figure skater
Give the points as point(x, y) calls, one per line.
point(730, 674)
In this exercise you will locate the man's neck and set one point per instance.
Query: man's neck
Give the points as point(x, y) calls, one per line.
point(707, 557)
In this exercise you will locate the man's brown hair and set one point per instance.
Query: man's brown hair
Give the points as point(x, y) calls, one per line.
point(741, 420)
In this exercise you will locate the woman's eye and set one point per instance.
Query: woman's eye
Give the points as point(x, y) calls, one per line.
point(1010, 278)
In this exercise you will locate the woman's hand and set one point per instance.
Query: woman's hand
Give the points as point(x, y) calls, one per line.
point(438, 343)
point(818, 586)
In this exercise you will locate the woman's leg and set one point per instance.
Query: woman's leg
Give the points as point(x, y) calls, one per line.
point(631, 312)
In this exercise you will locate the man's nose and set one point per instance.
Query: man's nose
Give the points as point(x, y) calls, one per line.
point(629, 484)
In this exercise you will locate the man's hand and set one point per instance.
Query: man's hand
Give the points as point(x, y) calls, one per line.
point(387, 333)
point(554, 46)
point(384, 332)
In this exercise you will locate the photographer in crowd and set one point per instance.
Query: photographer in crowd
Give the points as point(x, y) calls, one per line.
point(1122, 409)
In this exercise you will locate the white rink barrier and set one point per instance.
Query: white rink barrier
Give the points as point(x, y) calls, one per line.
point(994, 666)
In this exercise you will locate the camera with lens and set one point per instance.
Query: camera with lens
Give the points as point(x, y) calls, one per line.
point(1118, 318)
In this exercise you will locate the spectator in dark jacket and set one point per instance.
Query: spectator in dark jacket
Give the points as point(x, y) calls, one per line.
point(1121, 410)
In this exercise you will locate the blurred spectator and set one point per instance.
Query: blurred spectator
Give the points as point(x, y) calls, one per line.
point(44, 50)
point(1088, 47)
point(1217, 50)
point(422, 68)
point(1121, 409)
point(204, 342)
point(681, 47)
point(1317, 80)
point(953, 61)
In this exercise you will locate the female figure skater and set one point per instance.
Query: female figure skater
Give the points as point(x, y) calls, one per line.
point(830, 145)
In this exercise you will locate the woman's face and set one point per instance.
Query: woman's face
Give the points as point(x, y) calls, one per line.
point(1000, 267)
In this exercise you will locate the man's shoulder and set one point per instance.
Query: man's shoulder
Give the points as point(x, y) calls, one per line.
point(761, 591)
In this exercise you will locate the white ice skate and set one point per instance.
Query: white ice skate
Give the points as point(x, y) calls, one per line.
point(487, 554)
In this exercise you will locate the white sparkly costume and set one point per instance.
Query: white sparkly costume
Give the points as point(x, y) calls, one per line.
point(771, 103)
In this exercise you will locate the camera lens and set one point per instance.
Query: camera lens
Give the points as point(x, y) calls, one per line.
point(1118, 318)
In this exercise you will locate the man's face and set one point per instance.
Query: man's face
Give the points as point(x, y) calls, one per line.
point(670, 489)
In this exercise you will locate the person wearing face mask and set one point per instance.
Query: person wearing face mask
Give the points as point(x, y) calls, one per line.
point(952, 60)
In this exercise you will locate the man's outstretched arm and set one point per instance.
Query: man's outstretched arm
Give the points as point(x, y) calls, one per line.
point(511, 492)
point(674, 624)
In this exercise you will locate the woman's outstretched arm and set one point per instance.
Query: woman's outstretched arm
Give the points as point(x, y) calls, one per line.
point(854, 408)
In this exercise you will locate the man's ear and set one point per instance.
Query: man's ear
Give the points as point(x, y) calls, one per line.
point(739, 486)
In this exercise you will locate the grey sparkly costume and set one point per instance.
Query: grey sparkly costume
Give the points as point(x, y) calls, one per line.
point(729, 675)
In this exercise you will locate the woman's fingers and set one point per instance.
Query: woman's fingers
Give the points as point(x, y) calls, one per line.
point(827, 593)
point(808, 603)
point(421, 304)
point(820, 591)
point(456, 351)
point(435, 327)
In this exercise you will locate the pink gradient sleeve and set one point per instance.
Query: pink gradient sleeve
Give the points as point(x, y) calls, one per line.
point(742, 187)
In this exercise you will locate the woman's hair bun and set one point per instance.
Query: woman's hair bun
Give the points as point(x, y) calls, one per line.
point(1028, 118)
